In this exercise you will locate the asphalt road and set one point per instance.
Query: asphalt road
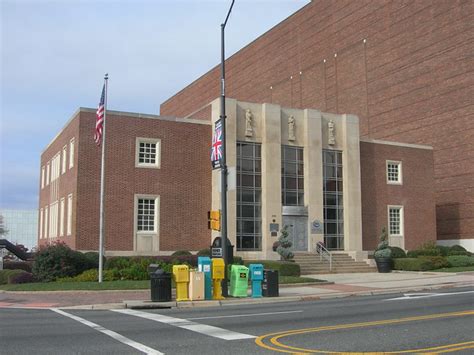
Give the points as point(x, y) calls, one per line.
point(434, 322)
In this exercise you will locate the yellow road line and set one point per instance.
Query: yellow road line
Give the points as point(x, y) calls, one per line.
point(279, 347)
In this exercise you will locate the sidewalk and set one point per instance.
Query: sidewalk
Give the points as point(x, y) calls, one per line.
point(338, 285)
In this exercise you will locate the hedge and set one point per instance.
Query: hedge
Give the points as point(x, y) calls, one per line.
point(460, 260)
point(285, 268)
point(6, 274)
point(398, 252)
point(18, 265)
point(413, 264)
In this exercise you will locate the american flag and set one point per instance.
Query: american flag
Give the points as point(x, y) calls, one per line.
point(216, 149)
point(99, 123)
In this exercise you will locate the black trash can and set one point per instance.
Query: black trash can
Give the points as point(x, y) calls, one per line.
point(160, 285)
point(270, 286)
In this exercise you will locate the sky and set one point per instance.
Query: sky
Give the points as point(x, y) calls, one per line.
point(54, 55)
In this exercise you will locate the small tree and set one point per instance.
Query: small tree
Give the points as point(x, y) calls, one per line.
point(3, 230)
point(285, 244)
point(383, 250)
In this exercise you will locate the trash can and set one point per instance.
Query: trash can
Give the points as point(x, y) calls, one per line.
point(160, 285)
point(270, 286)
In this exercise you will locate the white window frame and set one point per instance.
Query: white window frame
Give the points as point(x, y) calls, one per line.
point(398, 163)
point(41, 224)
point(47, 173)
point(61, 217)
point(42, 176)
point(69, 215)
point(156, 217)
point(64, 160)
point(71, 153)
point(402, 222)
point(45, 234)
point(157, 163)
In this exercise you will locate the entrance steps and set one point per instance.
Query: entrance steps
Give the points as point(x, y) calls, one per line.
point(310, 263)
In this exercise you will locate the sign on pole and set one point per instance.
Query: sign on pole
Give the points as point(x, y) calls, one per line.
point(216, 149)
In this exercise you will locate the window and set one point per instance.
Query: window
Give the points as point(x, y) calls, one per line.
point(333, 200)
point(47, 174)
point(292, 176)
point(53, 220)
point(61, 218)
point(55, 167)
point(63, 166)
point(45, 234)
point(394, 172)
point(41, 224)
point(395, 220)
point(69, 215)
point(42, 177)
point(148, 153)
point(71, 153)
point(147, 212)
point(249, 196)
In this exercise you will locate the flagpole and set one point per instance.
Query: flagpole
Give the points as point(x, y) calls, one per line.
point(102, 180)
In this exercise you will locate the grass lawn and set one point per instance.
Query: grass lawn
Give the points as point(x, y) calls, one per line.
point(113, 285)
point(455, 269)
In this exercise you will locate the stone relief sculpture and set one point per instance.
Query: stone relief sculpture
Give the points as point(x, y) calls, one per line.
point(248, 123)
point(331, 133)
point(291, 128)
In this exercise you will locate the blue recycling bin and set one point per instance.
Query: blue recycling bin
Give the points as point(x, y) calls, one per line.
point(204, 265)
point(256, 276)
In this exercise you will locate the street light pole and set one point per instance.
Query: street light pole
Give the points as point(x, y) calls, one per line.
point(223, 161)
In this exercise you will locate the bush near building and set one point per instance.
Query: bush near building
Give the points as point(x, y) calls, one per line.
point(284, 268)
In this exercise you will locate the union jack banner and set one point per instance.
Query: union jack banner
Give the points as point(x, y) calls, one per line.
point(216, 149)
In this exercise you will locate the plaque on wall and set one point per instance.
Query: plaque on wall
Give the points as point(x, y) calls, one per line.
point(316, 227)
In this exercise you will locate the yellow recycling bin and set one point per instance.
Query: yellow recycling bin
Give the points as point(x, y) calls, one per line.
point(218, 274)
point(181, 278)
point(196, 285)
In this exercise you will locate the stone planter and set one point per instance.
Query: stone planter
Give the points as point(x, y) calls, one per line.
point(384, 265)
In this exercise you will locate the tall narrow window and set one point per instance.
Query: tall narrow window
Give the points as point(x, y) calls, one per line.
point(46, 231)
point(394, 172)
point(63, 163)
point(249, 196)
point(292, 176)
point(71, 153)
point(333, 200)
point(41, 224)
point(61, 218)
point(47, 173)
point(146, 215)
point(395, 220)
point(42, 177)
point(69, 215)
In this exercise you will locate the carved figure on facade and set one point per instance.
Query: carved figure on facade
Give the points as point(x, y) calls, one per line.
point(291, 128)
point(248, 123)
point(331, 133)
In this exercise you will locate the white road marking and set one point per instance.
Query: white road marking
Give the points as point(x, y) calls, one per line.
point(245, 315)
point(414, 296)
point(209, 330)
point(143, 348)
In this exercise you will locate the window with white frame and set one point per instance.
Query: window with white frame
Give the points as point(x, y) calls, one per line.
point(63, 163)
point(47, 174)
point(42, 177)
point(61, 218)
point(148, 153)
point(394, 172)
point(395, 220)
point(45, 234)
point(69, 215)
point(41, 224)
point(71, 153)
point(147, 214)
point(53, 220)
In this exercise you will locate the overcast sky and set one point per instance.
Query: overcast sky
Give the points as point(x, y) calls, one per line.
point(54, 55)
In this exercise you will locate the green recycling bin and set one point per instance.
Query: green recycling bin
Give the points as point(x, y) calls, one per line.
point(239, 276)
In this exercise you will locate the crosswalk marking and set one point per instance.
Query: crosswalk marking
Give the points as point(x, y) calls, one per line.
point(143, 348)
point(209, 330)
point(414, 296)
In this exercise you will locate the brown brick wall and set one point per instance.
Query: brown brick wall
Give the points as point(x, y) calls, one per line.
point(411, 81)
point(183, 182)
point(416, 194)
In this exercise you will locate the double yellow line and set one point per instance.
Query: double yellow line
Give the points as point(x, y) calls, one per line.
point(274, 338)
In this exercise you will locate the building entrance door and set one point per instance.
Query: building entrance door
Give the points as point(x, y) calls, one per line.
point(298, 231)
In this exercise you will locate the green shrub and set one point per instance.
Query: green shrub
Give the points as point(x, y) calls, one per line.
point(58, 260)
point(117, 262)
point(181, 253)
point(423, 252)
point(412, 264)
point(458, 248)
point(398, 252)
point(285, 244)
point(443, 250)
point(460, 260)
point(18, 265)
point(21, 278)
point(92, 275)
point(204, 252)
point(438, 262)
point(6, 274)
point(383, 253)
point(284, 268)
point(135, 272)
point(459, 252)
point(92, 259)
point(238, 260)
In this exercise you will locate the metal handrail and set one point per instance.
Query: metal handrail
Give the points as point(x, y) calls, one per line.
point(324, 254)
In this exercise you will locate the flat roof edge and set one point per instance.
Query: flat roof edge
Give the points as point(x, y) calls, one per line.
point(398, 144)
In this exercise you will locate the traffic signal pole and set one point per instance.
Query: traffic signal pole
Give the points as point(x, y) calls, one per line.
point(225, 255)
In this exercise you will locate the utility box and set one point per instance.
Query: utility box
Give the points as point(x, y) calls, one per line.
point(256, 276)
point(204, 265)
point(239, 279)
point(181, 278)
point(270, 287)
point(196, 285)
point(218, 274)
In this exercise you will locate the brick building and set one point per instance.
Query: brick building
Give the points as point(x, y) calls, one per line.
point(405, 68)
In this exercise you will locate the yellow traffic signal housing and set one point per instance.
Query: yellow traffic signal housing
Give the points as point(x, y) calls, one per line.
point(214, 220)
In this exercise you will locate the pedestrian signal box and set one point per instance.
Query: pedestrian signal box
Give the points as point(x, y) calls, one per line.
point(214, 220)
